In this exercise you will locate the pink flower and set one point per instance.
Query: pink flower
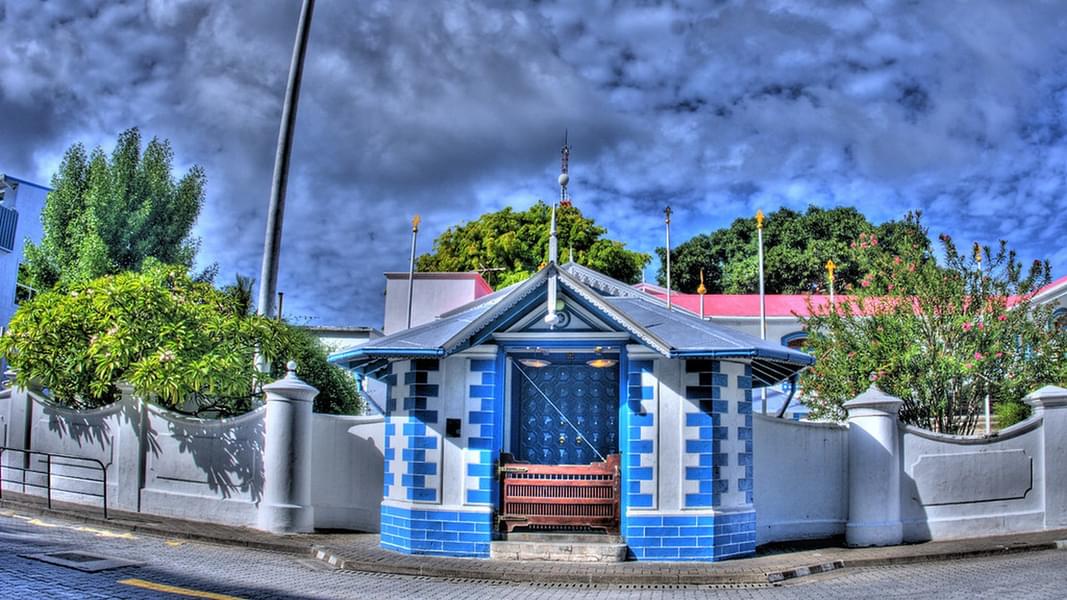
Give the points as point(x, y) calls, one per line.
point(978, 356)
point(911, 268)
point(891, 286)
point(874, 241)
point(874, 376)
point(896, 260)
point(981, 326)
point(1002, 318)
point(999, 354)
point(967, 326)
point(865, 283)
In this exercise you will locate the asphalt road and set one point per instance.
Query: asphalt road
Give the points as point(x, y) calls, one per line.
point(175, 568)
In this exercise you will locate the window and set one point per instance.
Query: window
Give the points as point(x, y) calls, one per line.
point(796, 340)
point(1059, 319)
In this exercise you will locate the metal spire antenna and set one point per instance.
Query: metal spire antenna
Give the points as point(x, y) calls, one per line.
point(564, 176)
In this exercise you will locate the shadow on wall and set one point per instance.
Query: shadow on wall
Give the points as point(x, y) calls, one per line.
point(153, 456)
point(227, 452)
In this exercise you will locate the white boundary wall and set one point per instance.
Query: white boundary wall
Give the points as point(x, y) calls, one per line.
point(801, 476)
point(950, 487)
point(164, 463)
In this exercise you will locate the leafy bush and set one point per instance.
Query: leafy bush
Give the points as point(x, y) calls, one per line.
point(183, 343)
point(1010, 412)
point(938, 336)
point(337, 388)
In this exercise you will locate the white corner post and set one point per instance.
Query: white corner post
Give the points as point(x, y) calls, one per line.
point(873, 470)
point(286, 504)
point(1050, 403)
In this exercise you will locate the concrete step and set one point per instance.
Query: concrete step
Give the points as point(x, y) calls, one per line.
point(564, 537)
point(558, 551)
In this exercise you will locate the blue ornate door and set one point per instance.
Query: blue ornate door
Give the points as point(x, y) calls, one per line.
point(588, 397)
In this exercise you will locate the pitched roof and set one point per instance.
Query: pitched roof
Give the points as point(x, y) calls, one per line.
point(671, 333)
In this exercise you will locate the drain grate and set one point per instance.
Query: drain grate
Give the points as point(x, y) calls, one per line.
point(83, 561)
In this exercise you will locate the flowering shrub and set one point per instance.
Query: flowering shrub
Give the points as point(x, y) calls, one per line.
point(938, 336)
point(183, 343)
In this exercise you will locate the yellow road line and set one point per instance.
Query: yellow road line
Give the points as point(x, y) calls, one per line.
point(172, 589)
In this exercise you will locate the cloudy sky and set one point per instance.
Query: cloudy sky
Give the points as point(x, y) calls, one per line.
point(451, 109)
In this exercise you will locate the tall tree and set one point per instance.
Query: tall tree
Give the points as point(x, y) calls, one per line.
point(106, 215)
point(797, 246)
point(509, 245)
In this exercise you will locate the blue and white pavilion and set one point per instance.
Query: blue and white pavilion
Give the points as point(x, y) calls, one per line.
point(570, 367)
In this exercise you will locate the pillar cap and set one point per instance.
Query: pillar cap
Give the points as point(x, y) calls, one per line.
point(291, 387)
point(874, 398)
point(1047, 397)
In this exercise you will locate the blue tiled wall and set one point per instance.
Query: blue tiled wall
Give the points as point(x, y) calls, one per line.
point(704, 483)
point(691, 537)
point(481, 430)
point(420, 405)
point(436, 532)
point(744, 433)
point(639, 450)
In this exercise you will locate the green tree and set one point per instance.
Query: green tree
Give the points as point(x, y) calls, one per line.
point(107, 215)
point(181, 342)
point(939, 336)
point(509, 245)
point(796, 245)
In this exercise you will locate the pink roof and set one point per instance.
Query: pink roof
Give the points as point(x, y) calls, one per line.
point(743, 305)
point(778, 305)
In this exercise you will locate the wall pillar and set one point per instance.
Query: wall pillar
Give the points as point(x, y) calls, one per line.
point(126, 473)
point(286, 504)
point(873, 470)
point(1050, 403)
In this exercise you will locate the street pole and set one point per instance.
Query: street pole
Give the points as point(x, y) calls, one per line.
point(667, 212)
point(411, 265)
point(268, 275)
point(762, 297)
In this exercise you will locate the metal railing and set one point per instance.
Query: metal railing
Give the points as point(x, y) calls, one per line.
point(28, 471)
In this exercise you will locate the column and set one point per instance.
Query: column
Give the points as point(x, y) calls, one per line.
point(873, 470)
point(286, 504)
point(1050, 403)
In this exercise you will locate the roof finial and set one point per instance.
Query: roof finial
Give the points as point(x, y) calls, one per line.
point(552, 252)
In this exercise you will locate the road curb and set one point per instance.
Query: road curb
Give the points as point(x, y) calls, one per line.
point(282, 547)
point(337, 559)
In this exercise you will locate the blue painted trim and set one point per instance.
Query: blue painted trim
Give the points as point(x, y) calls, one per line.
point(624, 439)
point(568, 343)
point(361, 352)
point(503, 321)
point(790, 357)
point(22, 181)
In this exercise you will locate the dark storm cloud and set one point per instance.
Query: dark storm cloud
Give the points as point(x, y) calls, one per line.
point(452, 109)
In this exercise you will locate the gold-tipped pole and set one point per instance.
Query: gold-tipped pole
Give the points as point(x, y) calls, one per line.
point(762, 297)
point(702, 290)
point(830, 266)
point(411, 265)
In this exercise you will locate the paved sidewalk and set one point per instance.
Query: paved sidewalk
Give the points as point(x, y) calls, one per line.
point(360, 552)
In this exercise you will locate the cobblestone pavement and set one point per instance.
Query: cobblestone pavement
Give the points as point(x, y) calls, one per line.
point(212, 571)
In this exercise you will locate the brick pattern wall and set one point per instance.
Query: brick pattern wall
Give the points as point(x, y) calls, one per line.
point(744, 433)
point(640, 448)
point(704, 434)
point(412, 449)
point(681, 537)
point(481, 483)
point(436, 532)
